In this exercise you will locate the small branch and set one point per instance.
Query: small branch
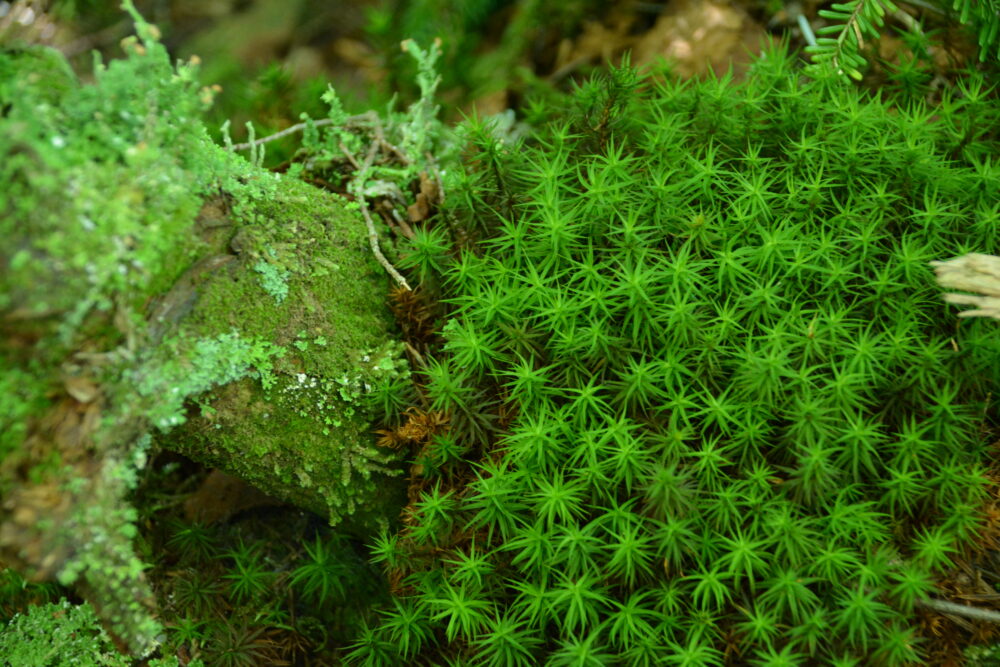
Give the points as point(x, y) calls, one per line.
point(369, 160)
point(404, 227)
point(380, 138)
point(298, 127)
point(356, 188)
point(975, 613)
point(416, 355)
point(400, 155)
point(437, 176)
point(350, 157)
point(373, 239)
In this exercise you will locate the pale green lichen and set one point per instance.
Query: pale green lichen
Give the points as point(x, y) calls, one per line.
point(103, 185)
point(273, 279)
point(172, 376)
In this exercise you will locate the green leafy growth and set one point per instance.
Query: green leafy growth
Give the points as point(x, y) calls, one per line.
point(273, 279)
point(422, 115)
point(418, 138)
point(173, 376)
point(58, 635)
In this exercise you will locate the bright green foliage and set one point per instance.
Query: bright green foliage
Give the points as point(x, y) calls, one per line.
point(435, 513)
point(58, 635)
point(736, 407)
point(409, 626)
point(463, 612)
point(507, 642)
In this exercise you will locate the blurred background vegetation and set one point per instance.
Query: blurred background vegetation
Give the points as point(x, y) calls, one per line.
point(274, 58)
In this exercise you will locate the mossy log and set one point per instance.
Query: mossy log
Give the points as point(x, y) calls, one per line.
point(302, 432)
point(157, 289)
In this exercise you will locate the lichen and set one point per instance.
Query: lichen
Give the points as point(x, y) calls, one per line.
point(101, 187)
point(171, 376)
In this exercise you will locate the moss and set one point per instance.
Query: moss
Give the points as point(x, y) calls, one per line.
point(307, 438)
point(101, 186)
point(726, 375)
point(123, 293)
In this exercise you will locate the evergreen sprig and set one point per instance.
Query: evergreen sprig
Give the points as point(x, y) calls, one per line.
point(982, 16)
point(851, 23)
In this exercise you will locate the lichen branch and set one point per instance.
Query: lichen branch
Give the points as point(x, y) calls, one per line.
point(955, 609)
point(973, 273)
point(356, 187)
point(298, 127)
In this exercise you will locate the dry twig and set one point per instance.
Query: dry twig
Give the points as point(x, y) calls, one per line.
point(356, 187)
point(955, 609)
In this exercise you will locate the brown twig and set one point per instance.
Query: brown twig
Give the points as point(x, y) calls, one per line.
point(380, 138)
